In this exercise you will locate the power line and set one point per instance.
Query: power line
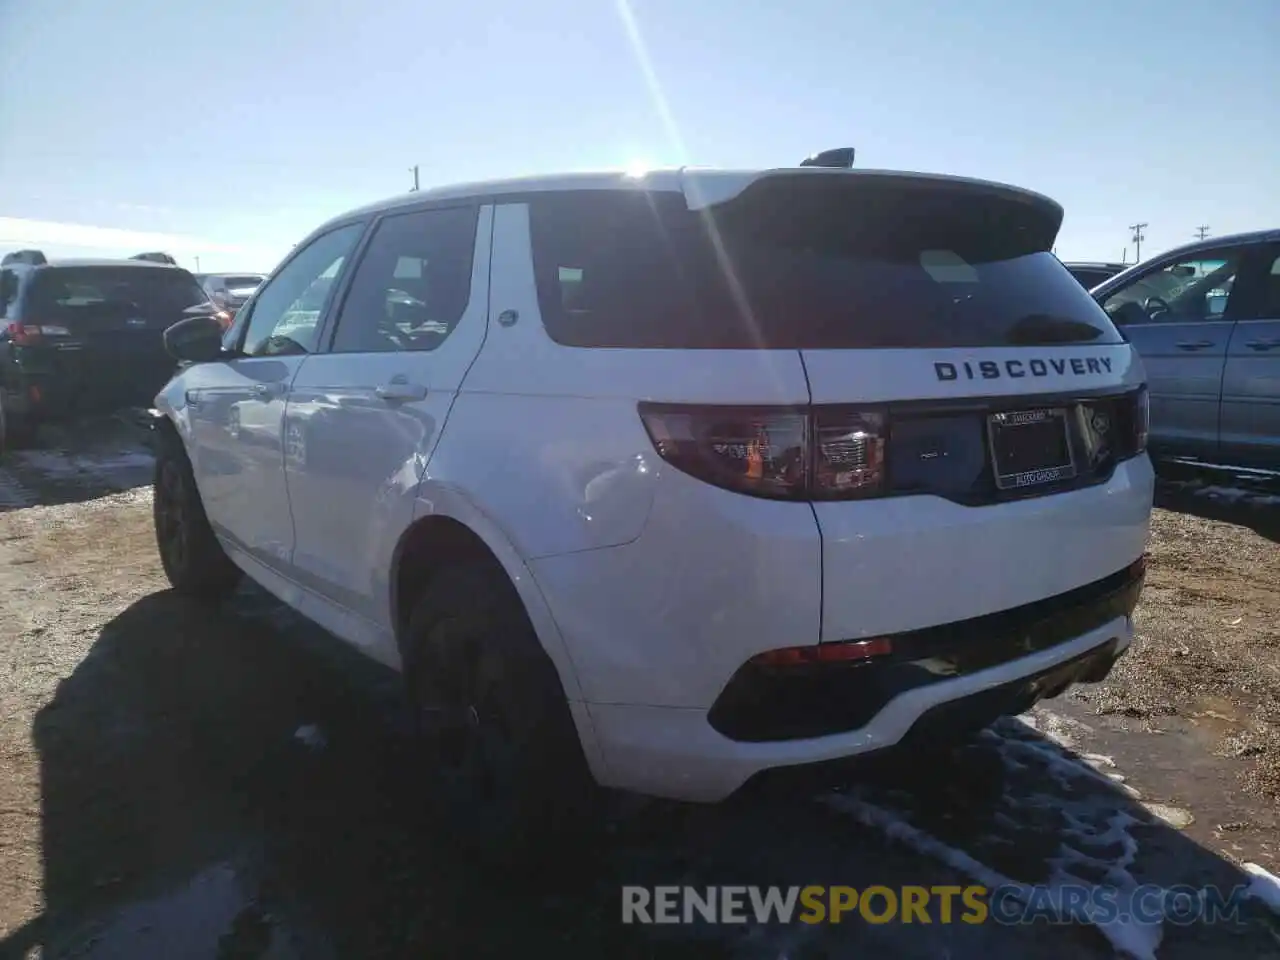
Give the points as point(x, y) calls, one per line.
point(1137, 240)
point(1202, 232)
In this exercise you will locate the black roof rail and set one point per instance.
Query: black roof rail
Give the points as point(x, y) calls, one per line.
point(155, 256)
point(33, 257)
point(840, 158)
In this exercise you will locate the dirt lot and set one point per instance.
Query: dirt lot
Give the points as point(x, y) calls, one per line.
point(180, 783)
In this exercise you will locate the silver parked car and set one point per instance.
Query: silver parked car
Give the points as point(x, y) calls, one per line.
point(1206, 320)
point(229, 291)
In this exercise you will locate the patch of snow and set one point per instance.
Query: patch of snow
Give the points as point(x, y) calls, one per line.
point(1175, 817)
point(311, 736)
point(1091, 810)
point(1263, 886)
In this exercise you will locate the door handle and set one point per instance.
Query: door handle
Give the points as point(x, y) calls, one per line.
point(261, 391)
point(400, 390)
point(1262, 344)
point(1194, 344)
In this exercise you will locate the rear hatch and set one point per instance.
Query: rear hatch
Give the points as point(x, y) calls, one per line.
point(960, 379)
point(110, 319)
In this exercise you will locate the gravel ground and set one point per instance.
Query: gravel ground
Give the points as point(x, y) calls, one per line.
point(1208, 644)
point(175, 782)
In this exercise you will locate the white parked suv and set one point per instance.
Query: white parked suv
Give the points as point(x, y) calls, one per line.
point(665, 481)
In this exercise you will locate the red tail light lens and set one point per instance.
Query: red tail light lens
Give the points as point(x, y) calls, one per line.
point(780, 453)
point(24, 333)
point(31, 333)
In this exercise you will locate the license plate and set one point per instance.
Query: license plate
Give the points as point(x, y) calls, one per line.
point(1030, 448)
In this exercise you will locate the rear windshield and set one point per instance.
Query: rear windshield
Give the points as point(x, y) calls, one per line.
point(1090, 277)
point(240, 282)
point(789, 269)
point(150, 291)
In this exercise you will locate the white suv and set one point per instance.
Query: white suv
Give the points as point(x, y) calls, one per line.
point(675, 479)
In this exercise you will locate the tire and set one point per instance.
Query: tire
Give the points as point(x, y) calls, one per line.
point(191, 555)
point(507, 772)
point(15, 432)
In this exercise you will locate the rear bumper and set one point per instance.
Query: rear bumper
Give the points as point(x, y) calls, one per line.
point(38, 396)
point(764, 703)
point(49, 383)
point(677, 753)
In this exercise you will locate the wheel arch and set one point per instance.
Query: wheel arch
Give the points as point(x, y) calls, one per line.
point(451, 533)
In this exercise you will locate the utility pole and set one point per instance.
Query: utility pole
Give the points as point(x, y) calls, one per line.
point(1202, 232)
point(197, 264)
point(1137, 240)
point(414, 171)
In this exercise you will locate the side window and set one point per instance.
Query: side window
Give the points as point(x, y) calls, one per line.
point(1198, 288)
point(285, 314)
point(1269, 309)
point(8, 290)
point(412, 285)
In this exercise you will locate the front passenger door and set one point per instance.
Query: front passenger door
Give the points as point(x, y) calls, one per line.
point(364, 415)
point(1179, 316)
point(237, 406)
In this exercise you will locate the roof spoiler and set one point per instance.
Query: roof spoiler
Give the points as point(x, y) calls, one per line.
point(839, 158)
point(33, 257)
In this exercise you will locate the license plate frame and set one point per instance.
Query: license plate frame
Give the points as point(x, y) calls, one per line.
point(1000, 427)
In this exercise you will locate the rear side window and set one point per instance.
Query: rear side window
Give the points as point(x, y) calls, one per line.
point(154, 292)
point(8, 290)
point(1089, 278)
point(793, 267)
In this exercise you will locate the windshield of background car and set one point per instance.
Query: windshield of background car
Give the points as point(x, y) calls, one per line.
point(152, 292)
point(799, 270)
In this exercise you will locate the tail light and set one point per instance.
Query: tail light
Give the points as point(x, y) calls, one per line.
point(784, 453)
point(30, 333)
point(1141, 414)
point(1134, 415)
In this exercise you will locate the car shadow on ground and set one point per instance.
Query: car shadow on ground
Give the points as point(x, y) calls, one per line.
point(1251, 504)
point(235, 783)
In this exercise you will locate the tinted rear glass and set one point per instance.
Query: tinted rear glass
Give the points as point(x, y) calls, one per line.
point(1089, 278)
point(238, 282)
point(790, 269)
point(164, 293)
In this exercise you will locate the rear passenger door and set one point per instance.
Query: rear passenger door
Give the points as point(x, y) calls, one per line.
point(364, 414)
point(1179, 316)
point(1251, 382)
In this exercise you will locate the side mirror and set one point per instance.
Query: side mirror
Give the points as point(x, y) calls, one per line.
point(195, 340)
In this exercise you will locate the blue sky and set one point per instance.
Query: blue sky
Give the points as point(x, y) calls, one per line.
point(228, 130)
